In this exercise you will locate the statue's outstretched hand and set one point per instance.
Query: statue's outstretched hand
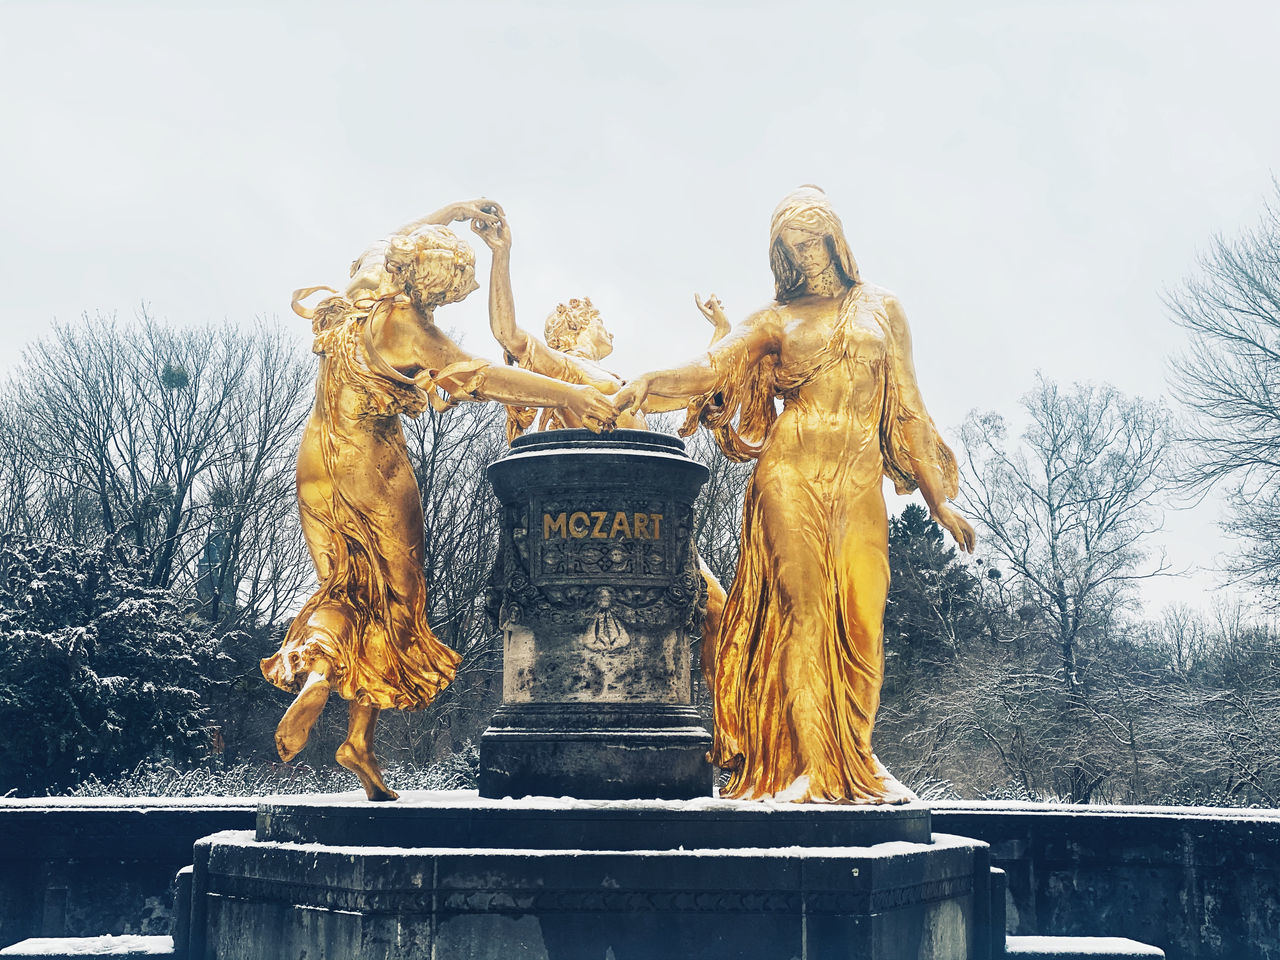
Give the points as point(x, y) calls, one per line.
point(957, 526)
point(592, 407)
point(494, 231)
point(482, 209)
point(631, 397)
point(714, 312)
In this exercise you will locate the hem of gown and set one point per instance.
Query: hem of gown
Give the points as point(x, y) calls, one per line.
point(288, 669)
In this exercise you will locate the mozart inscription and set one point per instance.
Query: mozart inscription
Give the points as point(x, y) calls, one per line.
point(602, 534)
point(602, 525)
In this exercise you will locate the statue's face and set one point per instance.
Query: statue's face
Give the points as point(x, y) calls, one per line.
point(597, 340)
point(808, 251)
point(467, 282)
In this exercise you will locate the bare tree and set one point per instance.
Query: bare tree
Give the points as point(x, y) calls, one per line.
point(1067, 511)
point(178, 442)
point(1228, 380)
point(1069, 508)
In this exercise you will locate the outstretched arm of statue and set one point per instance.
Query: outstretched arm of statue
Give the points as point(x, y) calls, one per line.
point(481, 209)
point(745, 346)
point(502, 308)
point(511, 385)
point(919, 433)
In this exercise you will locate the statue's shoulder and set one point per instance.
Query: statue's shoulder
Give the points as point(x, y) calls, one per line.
point(879, 297)
point(886, 305)
point(771, 313)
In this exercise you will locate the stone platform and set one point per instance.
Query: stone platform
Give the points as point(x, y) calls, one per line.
point(444, 876)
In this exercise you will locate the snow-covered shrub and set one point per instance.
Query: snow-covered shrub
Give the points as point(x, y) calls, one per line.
point(100, 671)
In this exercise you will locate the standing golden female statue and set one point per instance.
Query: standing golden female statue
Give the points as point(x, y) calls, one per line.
point(800, 657)
point(364, 632)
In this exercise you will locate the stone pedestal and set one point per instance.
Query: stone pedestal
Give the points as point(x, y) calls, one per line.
point(453, 875)
point(596, 588)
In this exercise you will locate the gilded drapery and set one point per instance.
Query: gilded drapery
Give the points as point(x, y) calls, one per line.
point(800, 661)
point(368, 618)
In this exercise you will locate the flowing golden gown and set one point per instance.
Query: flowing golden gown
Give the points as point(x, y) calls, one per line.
point(362, 519)
point(800, 657)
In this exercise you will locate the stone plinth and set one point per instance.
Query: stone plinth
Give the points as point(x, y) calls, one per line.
point(477, 879)
point(596, 589)
point(460, 818)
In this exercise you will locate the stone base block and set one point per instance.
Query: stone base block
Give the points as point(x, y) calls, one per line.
point(263, 901)
point(459, 818)
point(471, 879)
point(593, 751)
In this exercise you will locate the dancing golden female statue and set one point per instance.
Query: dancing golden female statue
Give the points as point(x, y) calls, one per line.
point(364, 632)
point(800, 657)
point(576, 341)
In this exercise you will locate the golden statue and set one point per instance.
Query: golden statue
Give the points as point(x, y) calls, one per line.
point(576, 341)
point(364, 632)
point(800, 657)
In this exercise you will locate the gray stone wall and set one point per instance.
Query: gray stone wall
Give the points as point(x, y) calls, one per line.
point(1199, 883)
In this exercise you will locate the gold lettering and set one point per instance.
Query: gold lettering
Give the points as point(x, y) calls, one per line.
point(640, 523)
point(550, 526)
point(576, 531)
point(657, 525)
point(597, 532)
point(620, 523)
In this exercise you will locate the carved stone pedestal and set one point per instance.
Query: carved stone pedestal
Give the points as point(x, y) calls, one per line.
point(451, 875)
point(596, 588)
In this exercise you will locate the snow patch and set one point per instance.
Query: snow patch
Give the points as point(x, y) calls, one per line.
point(125, 945)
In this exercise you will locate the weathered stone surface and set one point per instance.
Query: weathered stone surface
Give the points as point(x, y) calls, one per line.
point(450, 818)
point(1195, 882)
point(82, 867)
point(892, 900)
point(595, 589)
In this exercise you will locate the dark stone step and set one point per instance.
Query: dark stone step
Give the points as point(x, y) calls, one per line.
point(461, 819)
point(1080, 948)
point(75, 948)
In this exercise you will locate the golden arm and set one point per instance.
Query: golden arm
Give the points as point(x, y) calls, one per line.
point(754, 339)
point(919, 435)
point(486, 211)
point(517, 387)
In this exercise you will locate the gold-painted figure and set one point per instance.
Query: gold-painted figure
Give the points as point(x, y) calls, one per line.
point(576, 341)
point(800, 658)
point(364, 632)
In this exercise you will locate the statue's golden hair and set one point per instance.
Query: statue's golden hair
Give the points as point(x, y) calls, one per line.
point(429, 263)
point(567, 321)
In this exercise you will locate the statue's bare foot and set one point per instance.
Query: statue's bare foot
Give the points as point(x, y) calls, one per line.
point(365, 766)
point(295, 726)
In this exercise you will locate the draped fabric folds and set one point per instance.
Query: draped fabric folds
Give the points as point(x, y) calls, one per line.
point(363, 524)
point(800, 659)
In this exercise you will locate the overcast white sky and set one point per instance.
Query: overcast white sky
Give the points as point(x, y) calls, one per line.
point(1027, 177)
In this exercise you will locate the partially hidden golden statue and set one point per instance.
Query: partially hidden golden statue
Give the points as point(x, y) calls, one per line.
point(364, 632)
point(576, 341)
point(800, 658)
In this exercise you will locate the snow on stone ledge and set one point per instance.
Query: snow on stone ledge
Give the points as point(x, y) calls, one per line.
point(127, 945)
point(1033, 947)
